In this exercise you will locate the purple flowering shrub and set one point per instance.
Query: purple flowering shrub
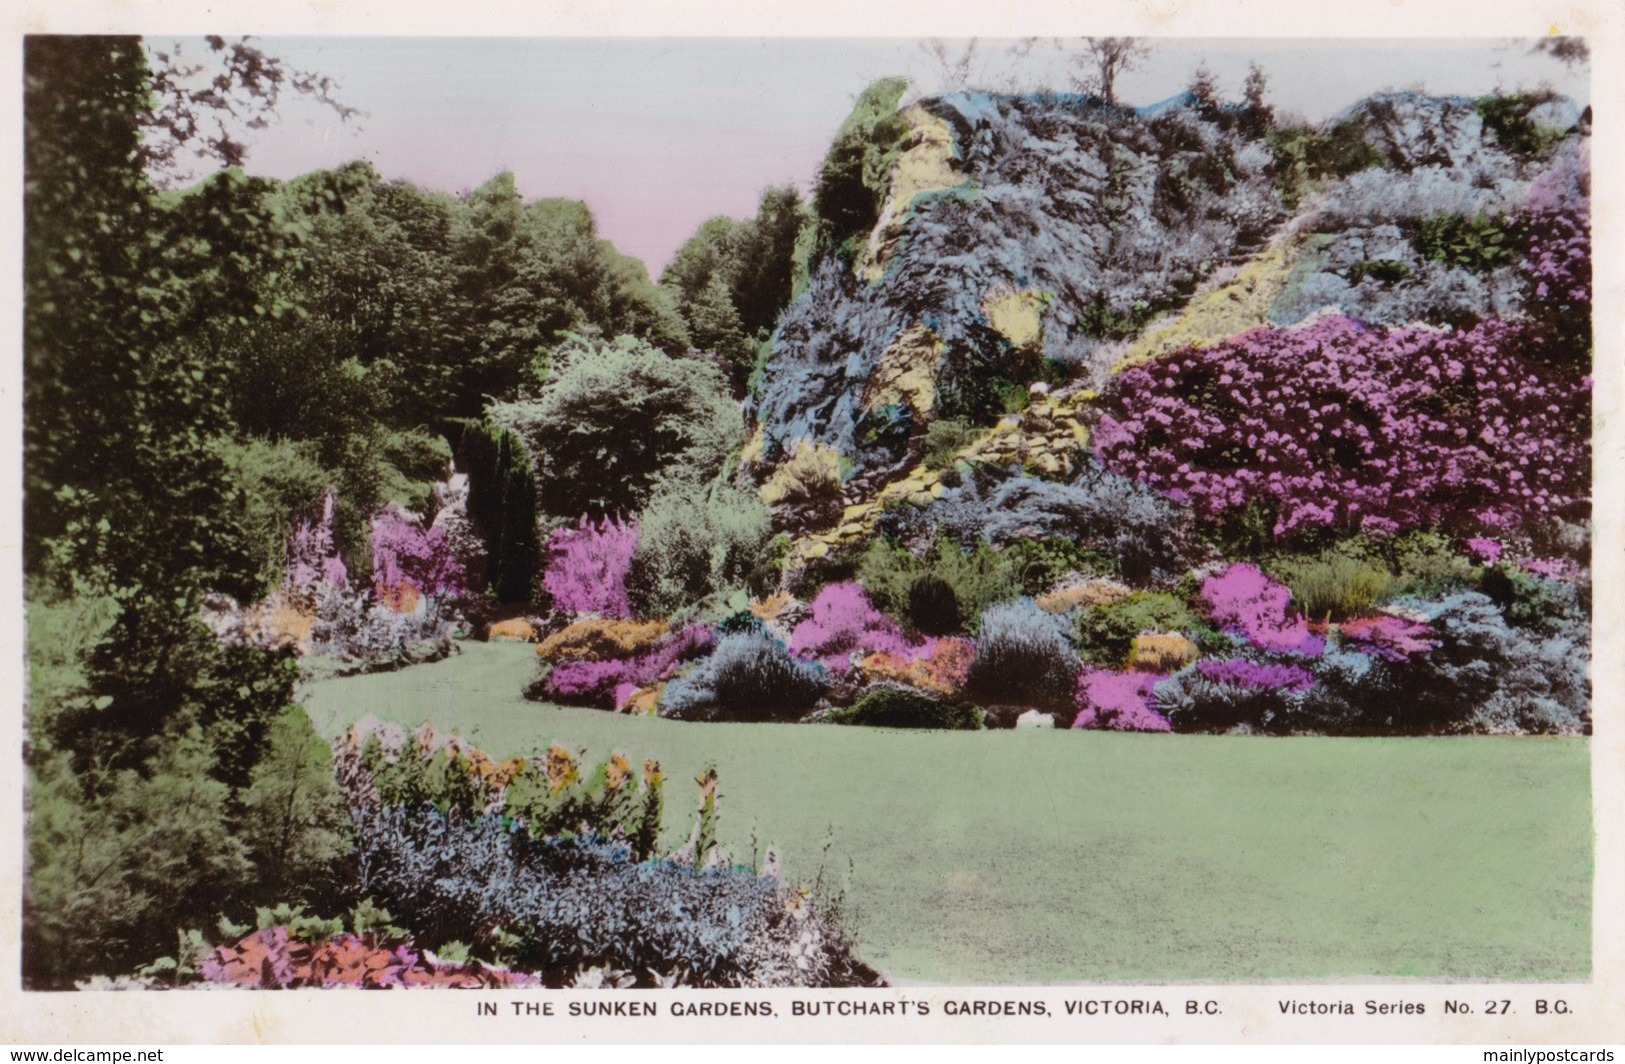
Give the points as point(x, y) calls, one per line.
point(1556, 266)
point(1343, 426)
point(1391, 638)
point(606, 683)
point(1243, 601)
point(404, 553)
point(845, 623)
point(1257, 676)
point(1118, 701)
point(587, 567)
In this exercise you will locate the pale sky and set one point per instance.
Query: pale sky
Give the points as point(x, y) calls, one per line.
point(657, 135)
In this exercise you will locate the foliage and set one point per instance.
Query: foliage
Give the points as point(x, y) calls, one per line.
point(441, 826)
point(1556, 265)
point(1478, 243)
point(939, 666)
point(855, 173)
point(618, 421)
point(404, 553)
point(502, 507)
point(117, 860)
point(1342, 426)
point(1507, 116)
point(750, 676)
point(898, 707)
point(1106, 633)
point(701, 549)
point(843, 625)
point(944, 439)
point(299, 830)
point(607, 682)
point(1022, 654)
point(587, 567)
point(272, 959)
point(1242, 600)
point(1388, 637)
point(805, 490)
point(601, 638)
point(1341, 581)
point(1111, 520)
point(943, 592)
point(1117, 701)
point(582, 902)
point(380, 765)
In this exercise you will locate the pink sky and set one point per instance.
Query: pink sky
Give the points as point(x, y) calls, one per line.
point(658, 135)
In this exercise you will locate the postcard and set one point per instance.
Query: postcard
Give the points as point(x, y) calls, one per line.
point(815, 527)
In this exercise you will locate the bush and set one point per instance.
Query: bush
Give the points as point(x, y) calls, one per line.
point(1117, 701)
point(897, 707)
point(1104, 521)
point(118, 861)
point(298, 833)
point(587, 567)
point(502, 506)
point(1342, 581)
point(974, 578)
point(1243, 601)
point(945, 438)
point(556, 868)
point(585, 903)
point(1426, 565)
point(1232, 697)
point(844, 625)
point(750, 676)
point(1105, 634)
point(940, 666)
point(619, 420)
point(599, 638)
point(609, 682)
point(1022, 654)
point(805, 490)
point(701, 550)
point(1341, 426)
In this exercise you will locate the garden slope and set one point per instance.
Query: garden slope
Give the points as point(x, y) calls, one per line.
point(1041, 856)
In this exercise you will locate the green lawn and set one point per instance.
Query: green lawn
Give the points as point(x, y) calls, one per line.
point(1080, 856)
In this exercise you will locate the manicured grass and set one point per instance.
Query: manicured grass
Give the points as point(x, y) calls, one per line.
point(1039, 856)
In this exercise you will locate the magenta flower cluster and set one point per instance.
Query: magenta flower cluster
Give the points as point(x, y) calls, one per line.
point(1557, 261)
point(404, 552)
point(608, 682)
point(1243, 601)
point(1117, 701)
point(587, 567)
point(1340, 425)
point(1390, 638)
point(1257, 676)
point(843, 623)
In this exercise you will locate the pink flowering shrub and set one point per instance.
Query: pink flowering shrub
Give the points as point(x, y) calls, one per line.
point(605, 683)
point(1556, 266)
point(312, 556)
point(1485, 550)
point(1340, 425)
point(404, 553)
point(843, 623)
point(587, 567)
point(1390, 638)
point(1257, 676)
point(1243, 601)
point(1119, 701)
point(270, 959)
